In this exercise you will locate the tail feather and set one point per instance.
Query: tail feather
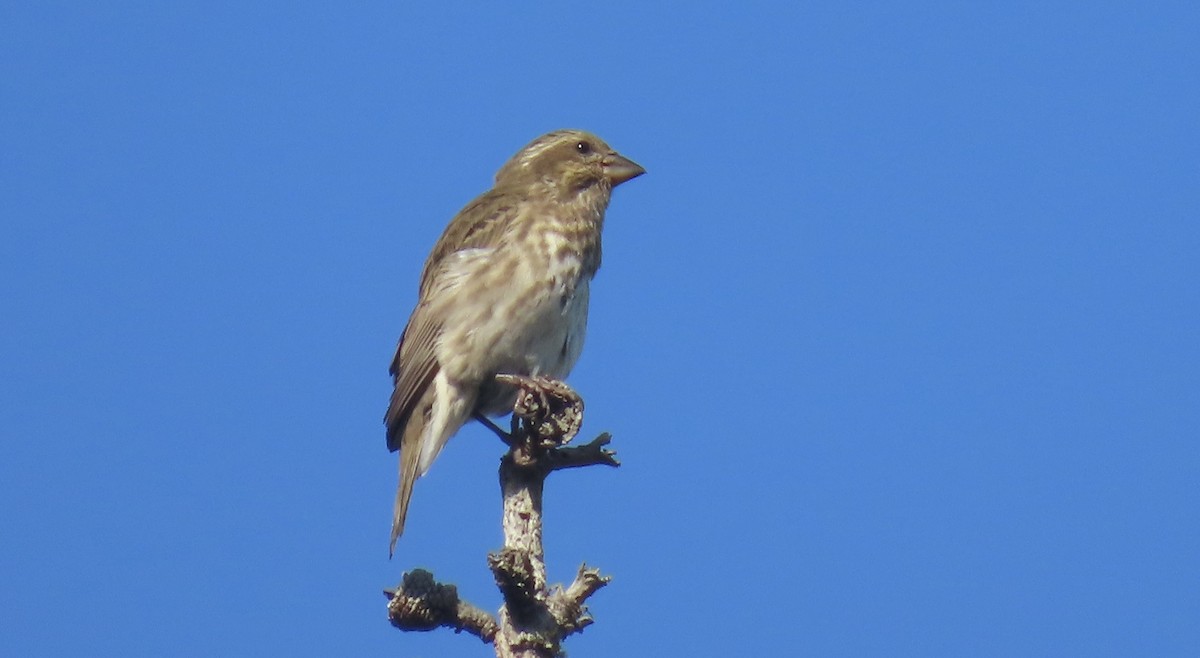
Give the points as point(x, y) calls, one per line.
point(436, 417)
point(410, 457)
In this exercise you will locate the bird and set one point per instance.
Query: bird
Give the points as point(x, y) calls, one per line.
point(504, 291)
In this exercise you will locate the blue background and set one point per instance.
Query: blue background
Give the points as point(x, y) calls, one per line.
point(898, 338)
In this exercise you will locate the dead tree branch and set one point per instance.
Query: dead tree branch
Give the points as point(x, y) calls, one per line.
point(535, 618)
point(423, 604)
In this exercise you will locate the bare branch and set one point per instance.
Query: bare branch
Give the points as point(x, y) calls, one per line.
point(423, 604)
point(534, 619)
point(567, 606)
point(592, 453)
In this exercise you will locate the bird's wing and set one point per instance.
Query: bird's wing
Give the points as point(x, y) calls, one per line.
point(479, 225)
point(467, 242)
point(413, 369)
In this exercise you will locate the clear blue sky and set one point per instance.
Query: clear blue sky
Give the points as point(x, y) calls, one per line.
point(899, 338)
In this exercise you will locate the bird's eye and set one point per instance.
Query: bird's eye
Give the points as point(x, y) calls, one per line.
point(584, 148)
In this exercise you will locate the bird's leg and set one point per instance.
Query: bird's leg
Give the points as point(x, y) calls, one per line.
point(506, 437)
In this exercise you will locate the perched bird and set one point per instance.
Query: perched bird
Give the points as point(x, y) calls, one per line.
point(505, 290)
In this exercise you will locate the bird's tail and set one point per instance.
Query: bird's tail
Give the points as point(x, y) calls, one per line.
point(410, 458)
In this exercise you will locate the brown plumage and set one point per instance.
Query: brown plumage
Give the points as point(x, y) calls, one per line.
point(505, 290)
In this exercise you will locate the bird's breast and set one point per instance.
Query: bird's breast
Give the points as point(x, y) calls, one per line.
point(521, 309)
point(543, 332)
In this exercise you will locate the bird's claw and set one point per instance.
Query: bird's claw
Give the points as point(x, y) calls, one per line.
point(547, 409)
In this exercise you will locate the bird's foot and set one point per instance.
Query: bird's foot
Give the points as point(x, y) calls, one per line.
point(547, 410)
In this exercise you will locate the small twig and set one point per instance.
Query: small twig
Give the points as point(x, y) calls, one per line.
point(423, 604)
point(567, 606)
point(592, 453)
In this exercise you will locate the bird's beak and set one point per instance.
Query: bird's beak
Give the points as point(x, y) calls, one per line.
point(618, 168)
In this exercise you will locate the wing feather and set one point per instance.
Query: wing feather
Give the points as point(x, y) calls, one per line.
point(413, 369)
point(479, 225)
point(469, 239)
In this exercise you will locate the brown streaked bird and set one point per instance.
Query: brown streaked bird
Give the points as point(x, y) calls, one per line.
point(505, 290)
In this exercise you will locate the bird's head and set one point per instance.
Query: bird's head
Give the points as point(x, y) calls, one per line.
point(570, 160)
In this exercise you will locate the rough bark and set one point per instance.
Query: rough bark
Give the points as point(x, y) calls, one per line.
point(535, 617)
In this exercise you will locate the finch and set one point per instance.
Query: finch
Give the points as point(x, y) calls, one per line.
point(505, 290)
